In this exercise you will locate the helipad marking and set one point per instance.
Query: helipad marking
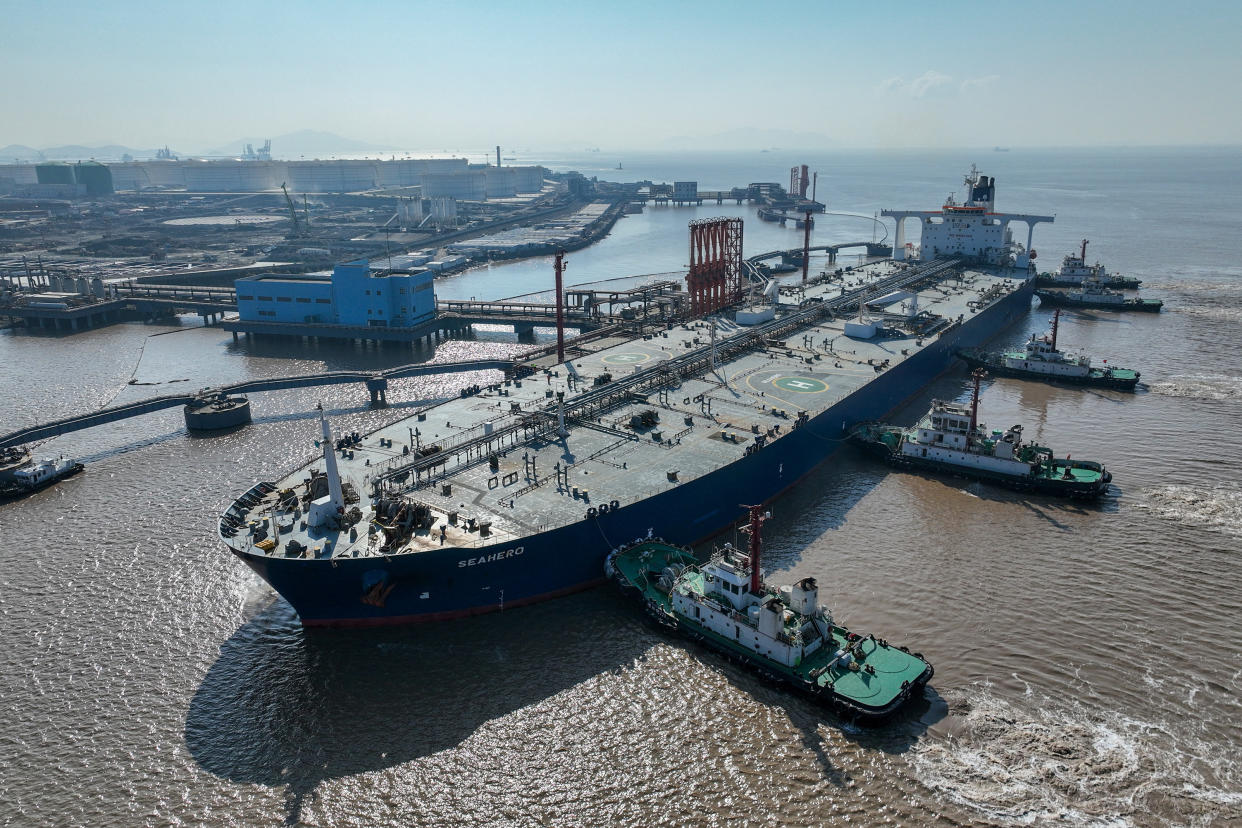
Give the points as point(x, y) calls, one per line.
point(626, 359)
point(800, 385)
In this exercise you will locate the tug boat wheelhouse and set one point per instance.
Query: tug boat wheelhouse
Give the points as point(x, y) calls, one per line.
point(950, 439)
point(783, 633)
point(1040, 360)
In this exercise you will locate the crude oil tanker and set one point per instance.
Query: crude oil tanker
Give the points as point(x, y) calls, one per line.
point(517, 493)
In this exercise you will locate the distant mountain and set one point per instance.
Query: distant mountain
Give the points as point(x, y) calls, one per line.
point(71, 152)
point(750, 138)
point(306, 143)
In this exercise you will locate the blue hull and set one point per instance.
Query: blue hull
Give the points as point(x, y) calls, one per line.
point(453, 582)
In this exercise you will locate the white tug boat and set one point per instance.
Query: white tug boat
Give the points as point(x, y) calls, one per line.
point(1074, 271)
point(950, 439)
point(1041, 360)
point(19, 475)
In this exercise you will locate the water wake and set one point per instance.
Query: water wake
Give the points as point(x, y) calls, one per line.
point(1217, 507)
point(1020, 767)
point(1199, 386)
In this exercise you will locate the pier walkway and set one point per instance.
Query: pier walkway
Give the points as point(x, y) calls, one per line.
point(873, 249)
point(375, 380)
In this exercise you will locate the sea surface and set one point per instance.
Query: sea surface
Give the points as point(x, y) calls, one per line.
point(1088, 657)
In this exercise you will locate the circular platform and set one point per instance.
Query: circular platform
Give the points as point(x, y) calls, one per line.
point(795, 388)
point(626, 359)
point(217, 414)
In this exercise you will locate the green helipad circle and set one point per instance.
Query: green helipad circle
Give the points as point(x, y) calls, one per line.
point(800, 385)
point(626, 359)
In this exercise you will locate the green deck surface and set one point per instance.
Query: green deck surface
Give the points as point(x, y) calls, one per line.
point(892, 666)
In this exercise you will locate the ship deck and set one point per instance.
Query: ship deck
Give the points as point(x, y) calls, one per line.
point(543, 480)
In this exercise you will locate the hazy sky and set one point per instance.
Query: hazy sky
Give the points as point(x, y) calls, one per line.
point(621, 74)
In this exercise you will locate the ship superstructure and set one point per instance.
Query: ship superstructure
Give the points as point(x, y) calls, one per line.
point(971, 228)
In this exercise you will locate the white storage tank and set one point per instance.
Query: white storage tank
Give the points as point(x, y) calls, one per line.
point(332, 176)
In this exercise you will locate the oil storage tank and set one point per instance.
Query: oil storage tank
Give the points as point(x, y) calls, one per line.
point(332, 176)
point(95, 177)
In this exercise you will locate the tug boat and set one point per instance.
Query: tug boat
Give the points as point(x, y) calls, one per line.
point(950, 439)
point(20, 475)
point(1040, 360)
point(1095, 293)
point(1074, 270)
point(781, 632)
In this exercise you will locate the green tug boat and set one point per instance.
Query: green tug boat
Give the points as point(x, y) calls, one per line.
point(950, 440)
point(782, 633)
point(1040, 360)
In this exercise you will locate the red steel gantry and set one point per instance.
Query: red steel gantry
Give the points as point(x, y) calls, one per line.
point(715, 277)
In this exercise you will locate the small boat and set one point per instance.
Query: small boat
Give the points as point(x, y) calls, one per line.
point(782, 633)
point(1074, 270)
point(949, 439)
point(20, 476)
point(1040, 360)
point(1094, 293)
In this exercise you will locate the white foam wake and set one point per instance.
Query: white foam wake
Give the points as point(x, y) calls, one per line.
point(1216, 507)
point(1018, 766)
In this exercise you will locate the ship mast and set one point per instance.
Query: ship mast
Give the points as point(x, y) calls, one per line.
point(757, 517)
point(1084, 252)
point(329, 463)
point(1056, 318)
point(978, 374)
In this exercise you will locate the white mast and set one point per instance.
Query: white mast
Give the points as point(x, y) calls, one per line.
point(329, 463)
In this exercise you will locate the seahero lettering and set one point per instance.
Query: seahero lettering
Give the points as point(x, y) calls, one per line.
point(495, 556)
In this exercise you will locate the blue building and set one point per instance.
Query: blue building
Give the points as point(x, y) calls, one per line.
point(354, 295)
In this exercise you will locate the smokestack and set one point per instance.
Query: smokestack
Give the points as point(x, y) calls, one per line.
point(498, 155)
